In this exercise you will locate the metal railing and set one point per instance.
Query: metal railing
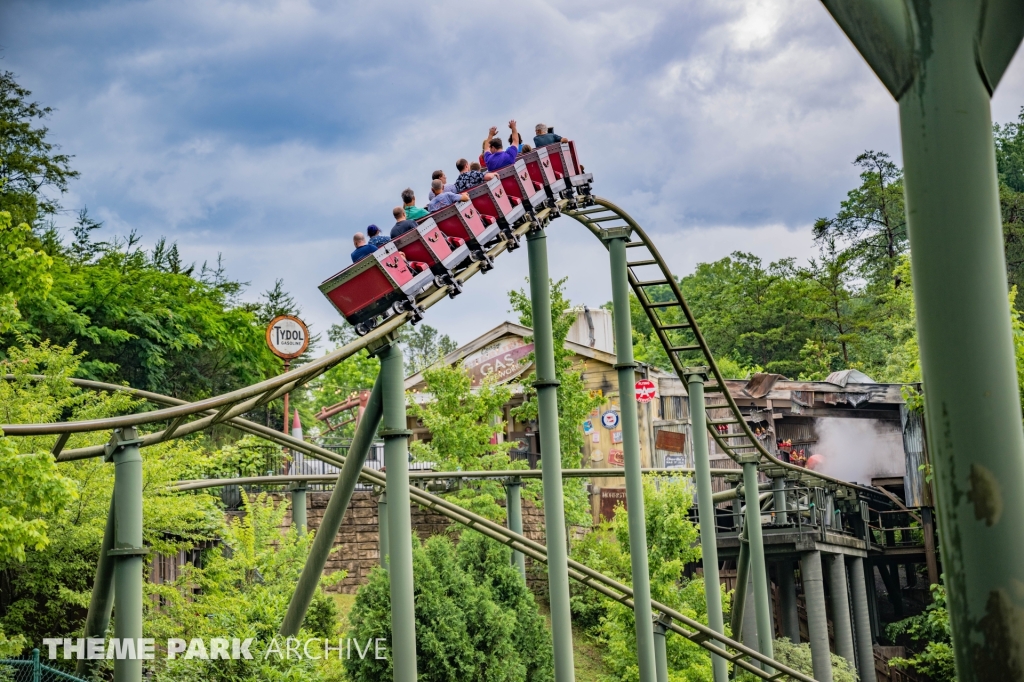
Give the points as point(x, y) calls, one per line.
point(30, 669)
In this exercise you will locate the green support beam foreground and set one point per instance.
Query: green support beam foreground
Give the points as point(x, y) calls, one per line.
point(514, 512)
point(334, 514)
point(660, 652)
point(759, 569)
point(706, 514)
point(942, 60)
point(396, 458)
point(102, 601)
point(551, 456)
point(128, 550)
point(636, 516)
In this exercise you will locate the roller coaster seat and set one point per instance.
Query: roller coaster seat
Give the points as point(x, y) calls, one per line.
point(541, 170)
point(464, 221)
point(491, 199)
point(563, 160)
point(427, 243)
point(381, 284)
point(517, 183)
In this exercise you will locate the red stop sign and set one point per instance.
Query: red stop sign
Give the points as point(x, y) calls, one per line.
point(645, 391)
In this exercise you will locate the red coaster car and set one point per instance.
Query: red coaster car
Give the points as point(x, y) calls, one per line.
point(517, 182)
point(428, 244)
point(491, 199)
point(563, 160)
point(464, 221)
point(382, 284)
point(542, 170)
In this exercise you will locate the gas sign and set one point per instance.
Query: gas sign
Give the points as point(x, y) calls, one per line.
point(287, 336)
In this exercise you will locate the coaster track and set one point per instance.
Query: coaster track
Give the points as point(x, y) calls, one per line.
point(681, 338)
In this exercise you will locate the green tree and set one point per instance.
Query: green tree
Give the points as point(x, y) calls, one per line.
point(463, 422)
point(575, 402)
point(930, 639)
point(475, 617)
point(30, 165)
point(834, 310)
point(423, 346)
point(871, 219)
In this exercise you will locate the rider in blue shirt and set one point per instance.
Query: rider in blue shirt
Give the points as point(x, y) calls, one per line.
point(362, 248)
point(494, 157)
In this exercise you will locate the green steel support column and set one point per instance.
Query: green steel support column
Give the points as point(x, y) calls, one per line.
point(759, 568)
point(382, 529)
point(861, 619)
point(942, 60)
point(298, 491)
point(781, 510)
point(787, 599)
point(842, 624)
point(334, 514)
point(128, 550)
point(706, 512)
point(396, 458)
point(817, 620)
point(660, 652)
point(739, 595)
point(514, 511)
point(102, 601)
point(636, 517)
point(551, 456)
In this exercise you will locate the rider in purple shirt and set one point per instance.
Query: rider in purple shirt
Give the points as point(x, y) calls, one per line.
point(494, 157)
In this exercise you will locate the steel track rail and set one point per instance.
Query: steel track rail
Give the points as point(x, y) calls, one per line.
point(693, 630)
point(596, 218)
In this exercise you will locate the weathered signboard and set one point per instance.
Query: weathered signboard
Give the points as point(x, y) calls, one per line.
point(499, 362)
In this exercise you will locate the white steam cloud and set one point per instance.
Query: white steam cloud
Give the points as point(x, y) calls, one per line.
point(858, 450)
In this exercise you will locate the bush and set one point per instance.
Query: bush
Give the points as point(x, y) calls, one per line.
point(798, 657)
point(475, 617)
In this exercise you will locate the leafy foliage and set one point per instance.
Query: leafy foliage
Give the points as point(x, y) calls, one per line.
point(872, 218)
point(930, 629)
point(798, 657)
point(575, 402)
point(243, 588)
point(463, 422)
point(29, 163)
point(475, 617)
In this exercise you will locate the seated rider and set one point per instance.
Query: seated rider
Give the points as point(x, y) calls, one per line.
point(469, 176)
point(412, 211)
point(439, 175)
point(362, 248)
point(443, 198)
point(376, 238)
point(402, 223)
point(545, 136)
point(494, 157)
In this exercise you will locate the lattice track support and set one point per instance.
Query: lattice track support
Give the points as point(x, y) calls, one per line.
point(636, 516)
point(941, 61)
point(334, 514)
point(551, 456)
point(396, 458)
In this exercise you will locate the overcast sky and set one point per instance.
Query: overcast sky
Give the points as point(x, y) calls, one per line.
point(270, 131)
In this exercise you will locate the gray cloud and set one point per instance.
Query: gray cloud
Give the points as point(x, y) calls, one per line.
point(270, 131)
